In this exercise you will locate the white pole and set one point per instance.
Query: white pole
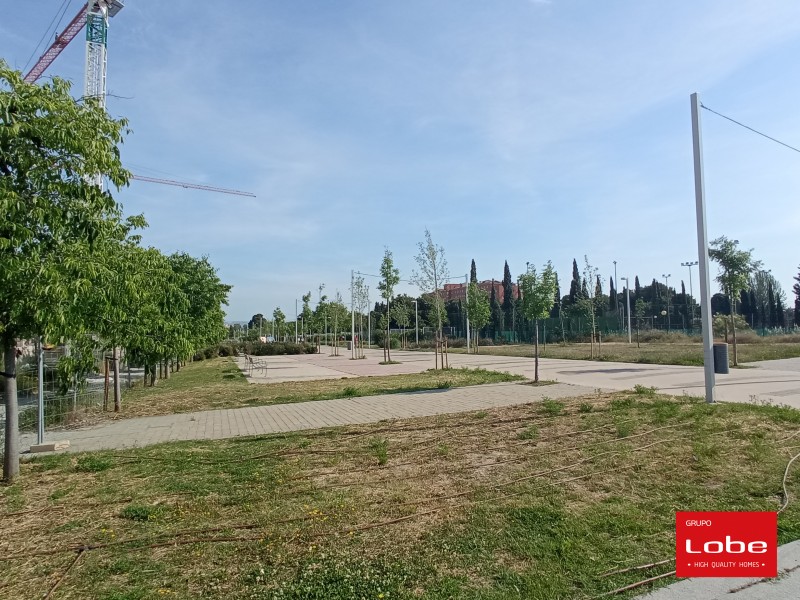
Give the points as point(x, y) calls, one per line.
point(702, 250)
point(296, 315)
point(352, 318)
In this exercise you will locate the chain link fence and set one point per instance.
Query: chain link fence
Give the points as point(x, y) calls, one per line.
point(65, 403)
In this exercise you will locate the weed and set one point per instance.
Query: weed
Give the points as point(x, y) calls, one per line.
point(552, 408)
point(585, 407)
point(60, 493)
point(380, 449)
point(624, 429)
point(443, 449)
point(529, 433)
point(643, 390)
point(622, 403)
point(444, 384)
point(481, 414)
point(349, 391)
point(93, 464)
point(139, 513)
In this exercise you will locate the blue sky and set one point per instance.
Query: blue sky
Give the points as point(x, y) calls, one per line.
point(519, 130)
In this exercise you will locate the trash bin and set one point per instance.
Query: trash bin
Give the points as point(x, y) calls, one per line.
point(350, 347)
point(721, 358)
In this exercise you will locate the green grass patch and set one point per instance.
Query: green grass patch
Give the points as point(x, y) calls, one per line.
point(661, 352)
point(218, 384)
point(518, 502)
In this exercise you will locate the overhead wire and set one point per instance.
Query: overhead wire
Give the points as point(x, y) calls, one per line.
point(762, 134)
point(55, 21)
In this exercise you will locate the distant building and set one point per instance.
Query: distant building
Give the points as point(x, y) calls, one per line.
point(458, 291)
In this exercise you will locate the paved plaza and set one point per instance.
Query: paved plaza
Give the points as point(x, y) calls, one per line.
point(775, 381)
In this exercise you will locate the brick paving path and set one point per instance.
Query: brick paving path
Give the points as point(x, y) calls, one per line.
point(219, 424)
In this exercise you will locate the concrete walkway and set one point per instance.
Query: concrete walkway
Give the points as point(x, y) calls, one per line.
point(220, 424)
point(785, 587)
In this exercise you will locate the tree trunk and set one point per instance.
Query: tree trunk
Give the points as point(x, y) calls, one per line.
point(11, 456)
point(153, 375)
point(117, 382)
point(166, 368)
point(177, 365)
point(536, 353)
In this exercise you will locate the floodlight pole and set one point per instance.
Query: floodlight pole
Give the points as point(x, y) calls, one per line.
point(702, 250)
point(296, 339)
point(352, 317)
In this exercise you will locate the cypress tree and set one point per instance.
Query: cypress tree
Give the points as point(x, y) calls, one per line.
point(584, 289)
point(555, 312)
point(754, 316)
point(773, 312)
point(473, 273)
point(796, 290)
point(781, 312)
point(496, 312)
point(746, 309)
point(612, 295)
point(637, 289)
point(575, 284)
point(508, 296)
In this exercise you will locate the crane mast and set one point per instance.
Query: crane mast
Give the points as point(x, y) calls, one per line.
point(96, 38)
point(94, 15)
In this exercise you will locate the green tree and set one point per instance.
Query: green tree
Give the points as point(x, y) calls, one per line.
point(508, 297)
point(588, 302)
point(473, 273)
point(497, 312)
point(53, 217)
point(390, 277)
point(479, 310)
point(279, 318)
point(306, 315)
point(796, 290)
point(432, 275)
point(575, 284)
point(538, 293)
point(736, 266)
point(361, 301)
point(402, 318)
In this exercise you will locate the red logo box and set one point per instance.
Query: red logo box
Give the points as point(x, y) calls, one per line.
point(726, 544)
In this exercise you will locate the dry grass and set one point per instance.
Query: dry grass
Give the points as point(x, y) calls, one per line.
point(679, 351)
point(219, 383)
point(467, 506)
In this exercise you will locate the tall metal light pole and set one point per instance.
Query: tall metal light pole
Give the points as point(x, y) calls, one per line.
point(690, 264)
point(628, 290)
point(666, 282)
point(616, 291)
point(416, 321)
point(352, 317)
point(702, 249)
point(296, 339)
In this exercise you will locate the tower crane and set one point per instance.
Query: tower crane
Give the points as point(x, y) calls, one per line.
point(94, 16)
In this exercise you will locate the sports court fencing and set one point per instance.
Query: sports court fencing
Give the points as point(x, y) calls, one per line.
point(65, 404)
